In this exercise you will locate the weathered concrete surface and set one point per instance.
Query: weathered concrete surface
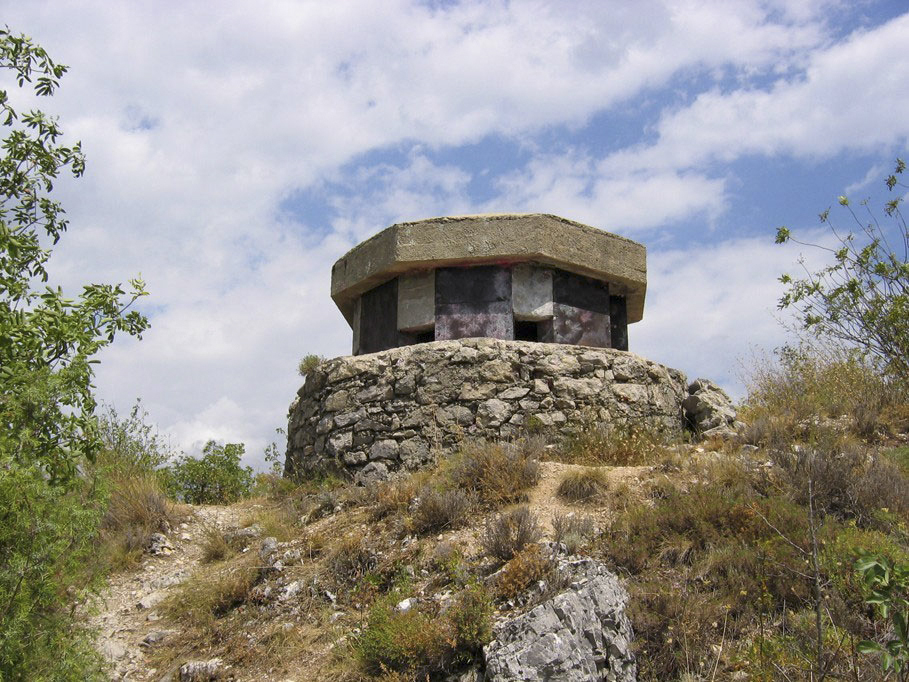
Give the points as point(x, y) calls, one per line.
point(398, 409)
point(417, 301)
point(531, 291)
point(507, 238)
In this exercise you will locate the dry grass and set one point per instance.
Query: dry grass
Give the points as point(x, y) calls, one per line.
point(351, 559)
point(393, 497)
point(212, 593)
point(524, 570)
point(508, 533)
point(585, 486)
point(613, 445)
point(791, 395)
point(572, 531)
point(436, 510)
point(137, 508)
point(497, 473)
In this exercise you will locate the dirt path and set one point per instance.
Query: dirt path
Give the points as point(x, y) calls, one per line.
point(546, 503)
point(126, 612)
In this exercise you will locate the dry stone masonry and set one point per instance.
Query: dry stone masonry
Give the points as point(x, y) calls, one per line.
point(487, 327)
point(397, 409)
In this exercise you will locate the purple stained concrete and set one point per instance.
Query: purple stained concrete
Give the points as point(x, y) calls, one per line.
point(477, 301)
point(576, 326)
point(474, 302)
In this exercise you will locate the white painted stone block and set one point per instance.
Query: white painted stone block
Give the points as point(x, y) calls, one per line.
point(531, 292)
point(417, 301)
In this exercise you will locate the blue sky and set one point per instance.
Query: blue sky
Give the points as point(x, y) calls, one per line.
point(235, 151)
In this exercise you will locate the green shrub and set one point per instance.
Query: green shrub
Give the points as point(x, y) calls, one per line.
point(215, 478)
point(425, 645)
point(861, 300)
point(888, 584)
point(47, 560)
point(471, 622)
point(309, 363)
point(401, 641)
point(508, 533)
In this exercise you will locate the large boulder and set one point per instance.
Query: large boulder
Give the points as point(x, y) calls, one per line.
point(581, 634)
point(709, 409)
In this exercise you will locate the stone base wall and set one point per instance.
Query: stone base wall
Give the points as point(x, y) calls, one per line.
point(398, 409)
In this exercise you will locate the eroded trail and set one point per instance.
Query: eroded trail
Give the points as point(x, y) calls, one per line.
point(126, 618)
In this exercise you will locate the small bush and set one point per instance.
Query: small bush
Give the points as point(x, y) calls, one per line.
point(613, 445)
point(393, 497)
point(351, 559)
point(523, 570)
point(846, 482)
point(587, 485)
point(215, 478)
point(137, 508)
point(508, 533)
point(497, 473)
point(437, 511)
point(408, 641)
point(572, 531)
point(471, 622)
point(309, 363)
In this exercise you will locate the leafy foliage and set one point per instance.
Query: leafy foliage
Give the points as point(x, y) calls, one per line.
point(862, 299)
point(50, 513)
point(889, 587)
point(215, 478)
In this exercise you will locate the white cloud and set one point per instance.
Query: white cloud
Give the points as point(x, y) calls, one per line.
point(199, 119)
point(848, 98)
point(623, 201)
point(708, 306)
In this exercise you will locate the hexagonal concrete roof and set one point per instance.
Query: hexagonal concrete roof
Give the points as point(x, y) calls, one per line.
point(495, 238)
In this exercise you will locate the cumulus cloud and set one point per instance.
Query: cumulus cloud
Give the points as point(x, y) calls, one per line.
point(204, 122)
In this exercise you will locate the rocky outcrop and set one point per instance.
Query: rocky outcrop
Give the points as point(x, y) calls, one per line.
point(375, 414)
point(709, 410)
point(579, 635)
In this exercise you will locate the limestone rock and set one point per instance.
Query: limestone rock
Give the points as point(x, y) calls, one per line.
point(158, 545)
point(201, 671)
point(579, 635)
point(709, 409)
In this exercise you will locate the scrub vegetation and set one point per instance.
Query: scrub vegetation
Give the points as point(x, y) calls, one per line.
point(782, 554)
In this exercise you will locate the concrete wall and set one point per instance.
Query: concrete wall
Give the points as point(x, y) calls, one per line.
point(374, 414)
point(474, 302)
point(526, 301)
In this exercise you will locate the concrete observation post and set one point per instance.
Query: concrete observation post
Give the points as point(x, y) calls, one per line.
point(526, 277)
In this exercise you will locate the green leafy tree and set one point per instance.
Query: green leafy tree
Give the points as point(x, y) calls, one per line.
point(48, 511)
point(215, 478)
point(861, 300)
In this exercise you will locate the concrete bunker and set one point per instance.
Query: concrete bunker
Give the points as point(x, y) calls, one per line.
point(531, 277)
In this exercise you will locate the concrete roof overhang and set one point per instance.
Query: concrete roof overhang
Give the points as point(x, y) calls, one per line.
point(495, 238)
